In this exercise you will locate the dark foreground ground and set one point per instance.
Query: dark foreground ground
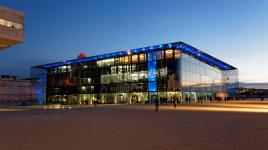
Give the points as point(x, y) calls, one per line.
point(137, 127)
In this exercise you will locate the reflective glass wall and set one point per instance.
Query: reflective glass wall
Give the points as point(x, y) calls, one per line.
point(230, 81)
point(165, 74)
point(134, 78)
point(198, 79)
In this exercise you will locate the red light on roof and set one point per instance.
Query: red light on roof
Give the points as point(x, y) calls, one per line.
point(81, 55)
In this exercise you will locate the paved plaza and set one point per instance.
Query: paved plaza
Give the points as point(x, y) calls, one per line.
point(217, 126)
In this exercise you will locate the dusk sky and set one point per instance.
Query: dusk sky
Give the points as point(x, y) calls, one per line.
point(235, 31)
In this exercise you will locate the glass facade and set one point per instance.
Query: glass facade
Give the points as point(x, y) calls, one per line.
point(199, 79)
point(164, 73)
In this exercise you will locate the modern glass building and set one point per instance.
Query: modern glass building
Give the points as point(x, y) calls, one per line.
point(166, 71)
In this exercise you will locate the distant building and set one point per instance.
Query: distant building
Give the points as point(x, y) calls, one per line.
point(11, 27)
point(15, 91)
point(251, 92)
point(165, 72)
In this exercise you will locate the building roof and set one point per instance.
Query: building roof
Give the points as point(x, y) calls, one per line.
point(16, 12)
point(200, 55)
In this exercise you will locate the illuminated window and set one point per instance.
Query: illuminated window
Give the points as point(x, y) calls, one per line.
point(134, 77)
point(2, 22)
point(64, 69)
point(121, 60)
point(117, 61)
point(120, 69)
point(11, 24)
point(177, 53)
point(113, 70)
point(88, 80)
point(143, 75)
point(169, 54)
point(99, 63)
point(126, 59)
point(142, 57)
point(133, 68)
point(83, 88)
point(106, 62)
point(134, 58)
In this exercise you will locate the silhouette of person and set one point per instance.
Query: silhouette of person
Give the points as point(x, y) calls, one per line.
point(156, 103)
point(175, 102)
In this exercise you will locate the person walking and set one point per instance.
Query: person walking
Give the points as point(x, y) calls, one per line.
point(175, 102)
point(156, 103)
point(95, 103)
point(190, 100)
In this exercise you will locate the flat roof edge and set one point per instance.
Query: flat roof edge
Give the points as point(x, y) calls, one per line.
point(12, 11)
point(186, 48)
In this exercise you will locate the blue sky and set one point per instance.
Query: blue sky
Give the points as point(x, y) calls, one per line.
point(235, 31)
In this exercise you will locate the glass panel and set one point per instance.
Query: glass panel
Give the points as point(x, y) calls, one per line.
point(169, 54)
point(177, 53)
point(142, 57)
point(152, 86)
point(120, 69)
point(133, 68)
point(134, 58)
point(158, 55)
point(106, 62)
point(113, 70)
point(126, 59)
point(117, 61)
point(151, 56)
point(152, 71)
point(121, 60)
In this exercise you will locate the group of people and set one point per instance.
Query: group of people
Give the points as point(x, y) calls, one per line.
point(175, 101)
point(188, 99)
